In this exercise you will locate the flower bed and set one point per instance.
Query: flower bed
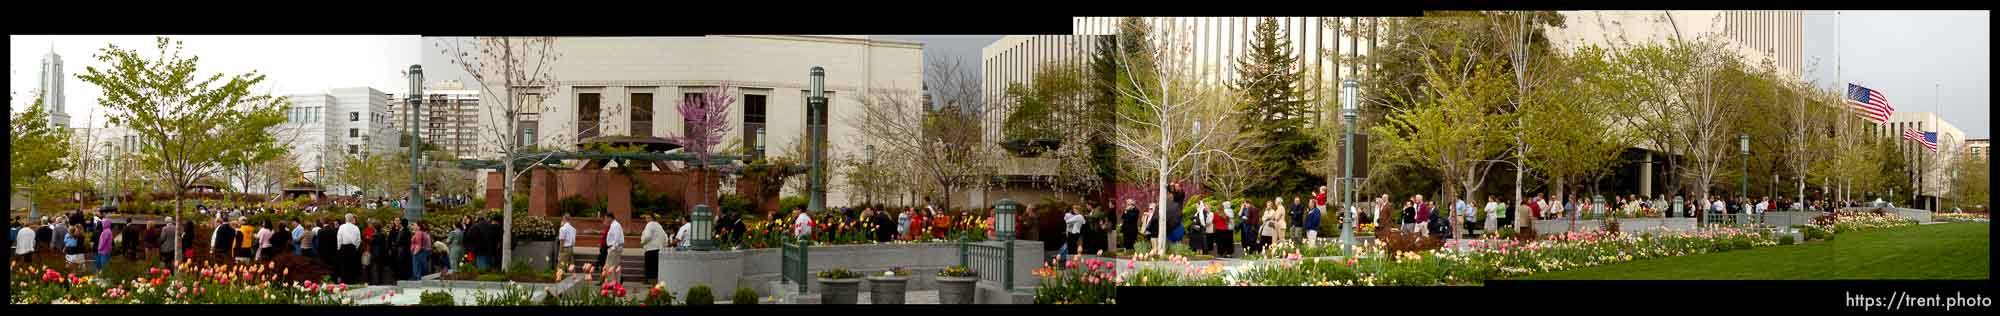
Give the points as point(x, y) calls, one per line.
point(204, 284)
point(1286, 249)
point(1961, 217)
point(832, 228)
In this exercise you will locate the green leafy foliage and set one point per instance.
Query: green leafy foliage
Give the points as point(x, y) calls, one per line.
point(435, 298)
point(1274, 112)
point(700, 295)
point(744, 296)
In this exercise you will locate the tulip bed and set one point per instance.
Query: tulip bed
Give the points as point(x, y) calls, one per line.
point(203, 284)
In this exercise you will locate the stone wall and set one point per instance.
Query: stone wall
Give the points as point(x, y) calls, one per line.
point(1558, 226)
point(759, 269)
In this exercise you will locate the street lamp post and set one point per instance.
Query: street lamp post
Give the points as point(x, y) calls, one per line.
point(816, 126)
point(760, 142)
point(414, 210)
point(1348, 114)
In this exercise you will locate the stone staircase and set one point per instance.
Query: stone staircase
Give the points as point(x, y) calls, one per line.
point(634, 263)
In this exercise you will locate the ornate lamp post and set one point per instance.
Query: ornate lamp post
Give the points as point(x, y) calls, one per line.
point(1003, 218)
point(414, 210)
point(816, 125)
point(1743, 142)
point(702, 235)
point(1348, 114)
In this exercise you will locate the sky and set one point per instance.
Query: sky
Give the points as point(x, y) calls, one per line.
point(1920, 60)
point(291, 64)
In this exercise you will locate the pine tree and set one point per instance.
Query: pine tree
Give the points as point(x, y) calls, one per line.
point(1275, 112)
point(1108, 74)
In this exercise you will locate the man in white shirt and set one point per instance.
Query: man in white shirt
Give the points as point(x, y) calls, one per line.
point(1072, 228)
point(567, 237)
point(349, 240)
point(652, 238)
point(680, 239)
point(614, 241)
point(802, 225)
point(24, 241)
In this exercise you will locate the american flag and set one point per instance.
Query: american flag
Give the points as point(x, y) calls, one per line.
point(1869, 103)
point(1930, 141)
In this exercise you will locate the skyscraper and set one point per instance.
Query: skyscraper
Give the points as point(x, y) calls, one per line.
point(52, 88)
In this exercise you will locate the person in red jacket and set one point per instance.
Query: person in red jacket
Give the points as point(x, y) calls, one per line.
point(919, 226)
point(1223, 241)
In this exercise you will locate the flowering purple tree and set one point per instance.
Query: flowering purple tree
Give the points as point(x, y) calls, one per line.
point(707, 119)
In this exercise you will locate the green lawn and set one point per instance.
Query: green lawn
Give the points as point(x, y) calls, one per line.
point(1925, 252)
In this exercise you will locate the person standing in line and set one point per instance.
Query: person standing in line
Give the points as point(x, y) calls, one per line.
point(565, 237)
point(802, 223)
point(1251, 221)
point(73, 248)
point(420, 250)
point(327, 244)
point(883, 232)
point(920, 223)
point(348, 243)
point(1072, 229)
point(1298, 214)
point(614, 241)
point(399, 249)
point(652, 238)
point(1493, 210)
point(1273, 222)
point(491, 236)
point(1223, 238)
point(1199, 232)
point(679, 242)
point(1148, 226)
point(298, 241)
point(150, 247)
point(263, 242)
point(1128, 224)
point(308, 232)
point(169, 237)
point(24, 242)
point(1312, 223)
point(903, 224)
point(1407, 218)
point(104, 237)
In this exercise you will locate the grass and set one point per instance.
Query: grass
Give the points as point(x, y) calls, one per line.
point(1958, 251)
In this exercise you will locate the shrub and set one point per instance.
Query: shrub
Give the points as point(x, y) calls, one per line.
point(492, 277)
point(1399, 241)
point(438, 298)
point(744, 296)
point(534, 228)
point(577, 206)
point(1784, 239)
point(733, 204)
point(700, 295)
point(787, 204)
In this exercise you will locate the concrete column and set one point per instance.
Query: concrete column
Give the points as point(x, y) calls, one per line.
point(496, 190)
point(1646, 176)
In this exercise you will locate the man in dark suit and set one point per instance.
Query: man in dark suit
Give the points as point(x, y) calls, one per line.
point(1248, 220)
point(885, 228)
point(324, 241)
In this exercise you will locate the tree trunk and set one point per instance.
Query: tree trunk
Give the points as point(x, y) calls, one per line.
point(507, 208)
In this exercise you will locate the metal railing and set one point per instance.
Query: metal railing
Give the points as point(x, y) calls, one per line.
point(986, 257)
point(793, 267)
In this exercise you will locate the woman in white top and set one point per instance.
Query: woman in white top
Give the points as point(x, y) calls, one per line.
point(1274, 222)
point(802, 225)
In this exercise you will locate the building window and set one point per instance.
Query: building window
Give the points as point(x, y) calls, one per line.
point(642, 114)
point(527, 137)
point(353, 149)
point(353, 116)
point(753, 120)
point(586, 115)
point(353, 132)
point(690, 97)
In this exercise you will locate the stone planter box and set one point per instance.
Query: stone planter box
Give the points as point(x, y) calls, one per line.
point(887, 290)
point(538, 254)
point(839, 291)
point(719, 270)
point(956, 290)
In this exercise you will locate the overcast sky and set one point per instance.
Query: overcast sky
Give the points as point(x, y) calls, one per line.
point(291, 64)
point(1903, 54)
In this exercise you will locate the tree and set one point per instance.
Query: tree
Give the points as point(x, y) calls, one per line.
point(35, 146)
point(707, 119)
point(1131, 42)
point(1572, 123)
point(1058, 104)
point(1456, 125)
point(945, 147)
point(1970, 189)
point(520, 73)
point(256, 142)
point(185, 122)
point(1274, 112)
point(1160, 107)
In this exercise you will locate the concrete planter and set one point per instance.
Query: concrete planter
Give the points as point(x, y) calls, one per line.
point(956, 290)
point(887, 289)
point(537, 254)
point(839, 291)
point(720, 270)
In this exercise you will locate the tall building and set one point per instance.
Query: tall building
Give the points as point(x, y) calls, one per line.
point(52, 88)
point(1979, 148)
point(1757, 36)
point(450, 118)
point(322, 127)
point(632, 85)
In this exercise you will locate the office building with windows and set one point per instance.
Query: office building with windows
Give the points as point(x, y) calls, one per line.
point(322, 127)
point(450, 118)
point(631, 86)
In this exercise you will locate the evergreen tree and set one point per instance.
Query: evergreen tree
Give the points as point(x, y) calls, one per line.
point(1108, 74)
point(1275, 112)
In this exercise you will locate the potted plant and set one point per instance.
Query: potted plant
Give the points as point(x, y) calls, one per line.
point(839, 286)
point(957, 285)
point(889, 286)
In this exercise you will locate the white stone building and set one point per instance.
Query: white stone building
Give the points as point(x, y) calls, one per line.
point(632, 85)
point(322, 126)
